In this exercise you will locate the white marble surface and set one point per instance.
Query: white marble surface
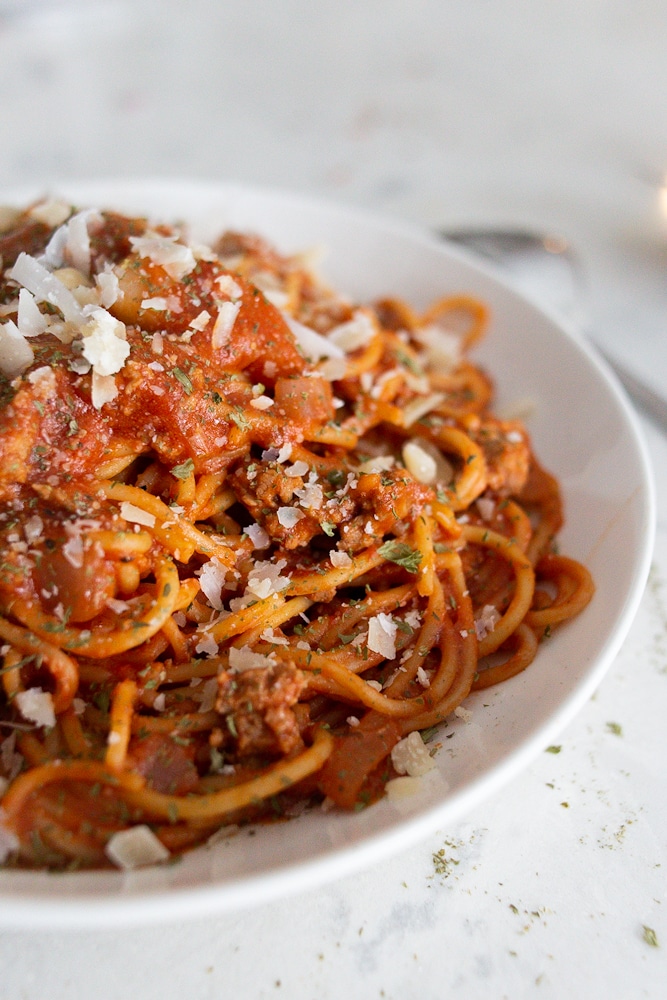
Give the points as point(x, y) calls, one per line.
point(521, 111)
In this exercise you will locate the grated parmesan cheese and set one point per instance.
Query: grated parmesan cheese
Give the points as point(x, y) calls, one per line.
point(382, 635)
point(419, 463)
point(136, 515)
point(313, 345)
point(104, 343)
point(410, 756)
point(228, 286)
point(486, 620)
point(261, 402)
point(357, 332)
point(414, 411)
point(244, 658)
point(339, 559)
point(297, 470)
point(486, 507)
point(177, 259)
point(136, 848)
point(289, 516)
point(264, 578)
point(30, 321)
point(103, 389)
point(15, 351)
point(224, 323)
point(207, 645)
point(258, 536)
point(36, 706)
point(46, 287)
point(211, 580)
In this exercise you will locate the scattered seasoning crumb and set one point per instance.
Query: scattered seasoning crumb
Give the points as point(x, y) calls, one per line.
point(615, 728)
point(650, 936)
point(554, 749)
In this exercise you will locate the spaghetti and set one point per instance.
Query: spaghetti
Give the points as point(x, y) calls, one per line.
point(256, 539)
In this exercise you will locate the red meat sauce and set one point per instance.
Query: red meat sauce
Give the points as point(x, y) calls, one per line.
point(188, 400)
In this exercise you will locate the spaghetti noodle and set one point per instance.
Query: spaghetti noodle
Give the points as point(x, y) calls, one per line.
point(255, 538)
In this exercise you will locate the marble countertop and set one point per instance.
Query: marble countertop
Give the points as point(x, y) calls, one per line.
point(531, 113)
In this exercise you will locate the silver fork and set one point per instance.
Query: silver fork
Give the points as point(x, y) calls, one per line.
point(556, 274)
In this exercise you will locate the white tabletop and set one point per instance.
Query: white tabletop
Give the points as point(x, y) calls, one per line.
point(517, 111)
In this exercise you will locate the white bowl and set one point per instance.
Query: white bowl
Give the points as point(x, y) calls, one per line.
point(583, 430)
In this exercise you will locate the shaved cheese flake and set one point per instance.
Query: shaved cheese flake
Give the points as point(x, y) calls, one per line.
point(311, 496)
point(135, 848)
point(381, 463)
point(333, 369)
point(442, 347)
point(16, 354)
point(104, 390)
point(228, 286)
point(264, 578)
point(136, 515)
point(299, 468)
point(44, 379)
point(410, 756)
point(486, 507)
point(177, 259)
point(269, 635)
point(36, 706)
point(339, 559)
point(399, 789)
point(224, 323)
point(486, 620)
point(357, 332)
point(261, 402)
point(289, 516)
point(78, 237)
point(73, 550)
point(211, 580)
point(104, 343)
point(46, 287)
point(200, 321)
point(258, 536)
point(313, 345)
point(108, 287)
point(30, 321)
point(32, 528)
point(419, 463)
point(157, 303)
point(382, 635)
point(207, 645)
point(418, 408)
point(243, 658)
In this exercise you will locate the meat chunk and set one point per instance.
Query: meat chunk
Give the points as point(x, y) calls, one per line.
point(382, 501)
point(258, 704)
point(165, 765)
point(506, 450)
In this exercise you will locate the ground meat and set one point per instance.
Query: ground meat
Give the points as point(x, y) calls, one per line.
point(506, 450)
point(382, 501)
point(258, 704)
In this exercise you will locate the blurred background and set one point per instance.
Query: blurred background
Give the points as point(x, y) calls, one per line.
point(545, 114)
